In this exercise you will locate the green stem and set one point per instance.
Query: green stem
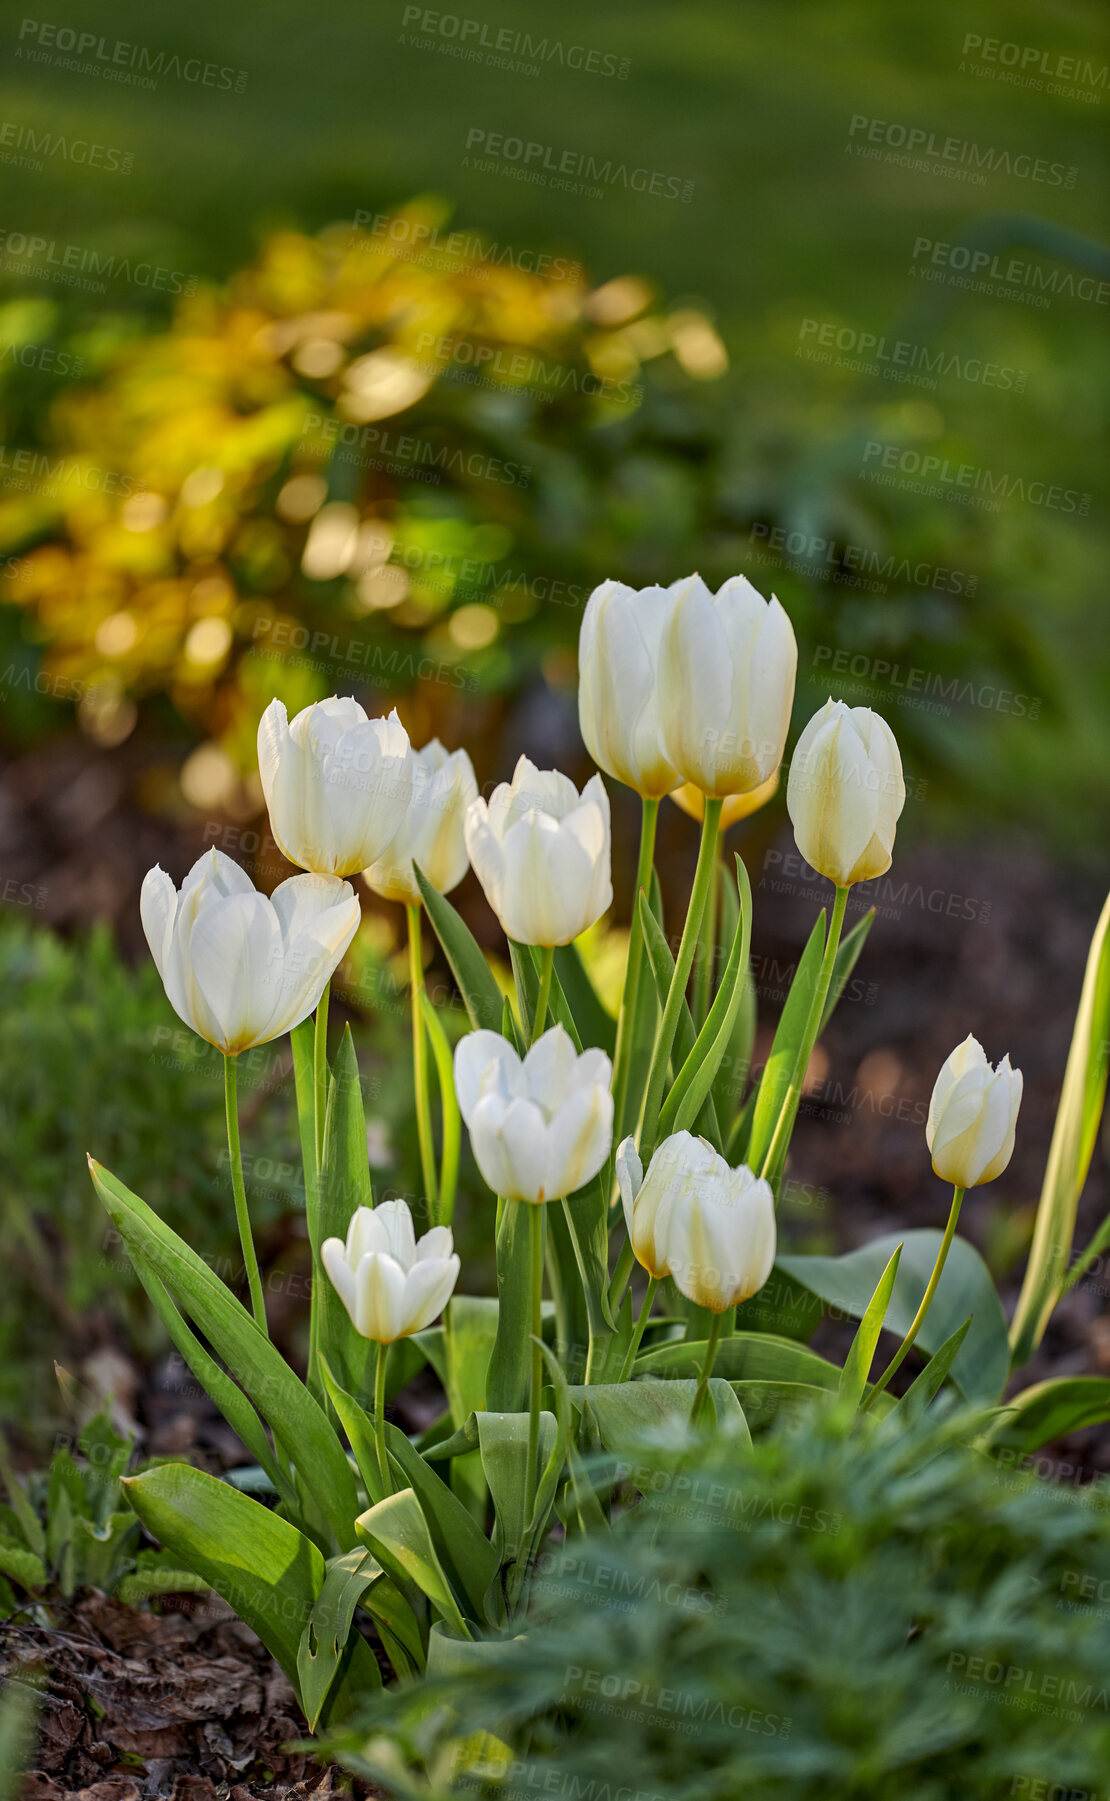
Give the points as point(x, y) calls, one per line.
point(420, 1066)
point(547, 964)
point(707, 950)
point(626, 1025)
point(706, 1368)
point(235, 1155)
point(620, 1277)
point(926, 1300)
point(639, 1329)
point(320, 1070)
point(703, 877)
point(379, 1419)
point(536, 1225)
point(775, 1159)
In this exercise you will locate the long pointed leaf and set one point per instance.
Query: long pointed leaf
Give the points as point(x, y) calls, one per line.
point(775, 1082)
point(857, 1364)
point(475, 979)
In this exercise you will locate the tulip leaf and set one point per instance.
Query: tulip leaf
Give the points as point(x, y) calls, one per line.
point(262, 1566)
point(1069, 1156)
point(779, 1071)
point(925, 1385)
point(661, 963)
point(507, 1371)
point(629, 1414)
point(462, 1547)
point(765, 1402)
point(473, 975)
point(751, 1355)
point(857, 1364)
point(397, 1532)
point(344, 1187)
point(359, 1428)
point(503, 1439)
point(596, 1025)
point(692, 1084)
point(847, 1283)
point(847, 956)
point(296, 1419)
point(732, 1077)
point(1050, 1410)
point(328, 1628)
point(302, 1045)
point(448, 1109)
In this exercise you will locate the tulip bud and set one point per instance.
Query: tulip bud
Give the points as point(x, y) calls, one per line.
point(239, 967)
point(337, 784)
point(390, 1283)
point(542, 1127)
point(431, 833)
point(972, 1116)
point(735, 807)
point(726, 685)
point(709, 1227)
point(845, 793)
point(541, 852)
point(618, 685)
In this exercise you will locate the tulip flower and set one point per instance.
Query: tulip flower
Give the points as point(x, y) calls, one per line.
point(241, 967)
point(693, 1218)
point(391, 1283)
point(727, 664)
point(972, 1116)
point(337, 784)
point(542, 854)
point(540, 1126)
point(431, 832)
point(618, 685)
point(845, 793)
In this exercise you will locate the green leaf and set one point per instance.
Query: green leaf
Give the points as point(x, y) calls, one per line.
point(261, 1565)
point(743, 1355)
point(21, 1564)
point(473, 975)
point(397, 1532)
point(661, 964)
point(692, 1084)
point(847, 956)
point(765, 1402)
point(302, 1044)
point(629, 1414)
point(448, 1108)
point(774, 1085)
point(925, 1385)
point(507, 1371)
point(596, 1025)
point(297, 1421)
point(1069, 1156)
point(1050, 1410)
point(344, 1187)
point(155, 1574)
point(328, 1628)
point(857, 1364)
point(503, 1440)
point(463, 1549)
point(981, 1368)
point(358, 1427)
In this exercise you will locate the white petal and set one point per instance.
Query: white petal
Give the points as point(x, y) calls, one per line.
point(380, 1290)
point(158, 910)
point(474, 1056)
point(395, 1220)
point(579, 1140)
point(428, 1288)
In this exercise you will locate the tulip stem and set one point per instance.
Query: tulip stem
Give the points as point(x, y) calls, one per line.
point(638, 1330)
point(235, 1156)
point(420, 1066)
point(547, 964)
point(707, 949)
point(536, 1224)
point(379, 1419)
point(320, 1069)
point(775, 1159)
point(926, 1299)
point(626, 1025)
point(706, 1368)
point(676, 994)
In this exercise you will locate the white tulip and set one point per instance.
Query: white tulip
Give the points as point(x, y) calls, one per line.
point(542, 1127)
point(239, 967)
point(618, 685)
point(542, 854)
point(845, 793)
point(337, 784)
point(727, 663)
point(391, 1283)
point(972, 1116)
point(709, 1227)
point(431, 833)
